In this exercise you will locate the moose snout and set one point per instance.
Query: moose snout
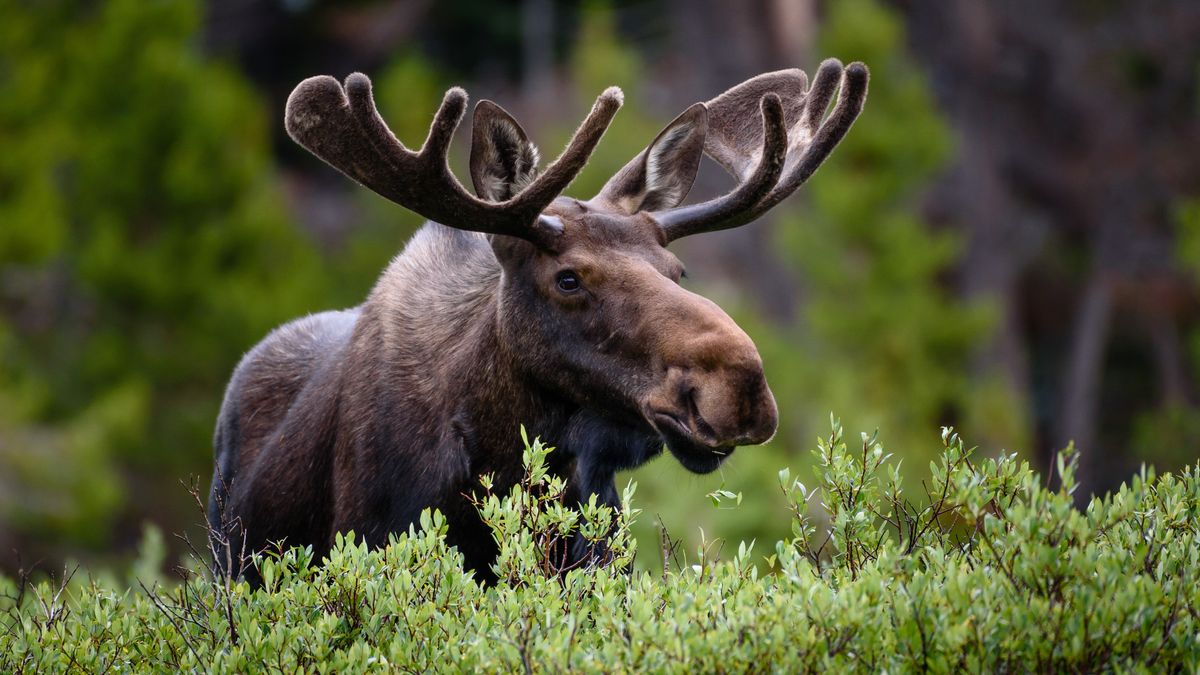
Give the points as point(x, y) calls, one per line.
point(729, 405)
point(721, 399)
point(711, 393)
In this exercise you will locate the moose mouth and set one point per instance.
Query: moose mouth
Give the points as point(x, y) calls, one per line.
point(693, 452)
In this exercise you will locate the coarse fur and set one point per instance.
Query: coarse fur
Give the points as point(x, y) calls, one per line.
point(411, 389)
point(503, 160)
point(523, 307)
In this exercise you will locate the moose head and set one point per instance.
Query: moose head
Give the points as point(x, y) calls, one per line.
point(589, 304)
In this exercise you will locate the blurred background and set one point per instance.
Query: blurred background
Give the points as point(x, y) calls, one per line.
point(1008, 241)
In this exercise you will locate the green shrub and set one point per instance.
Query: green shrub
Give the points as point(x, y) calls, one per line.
point(987, 571)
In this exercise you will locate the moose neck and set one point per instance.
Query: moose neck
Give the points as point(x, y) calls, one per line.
point(591, 445)
point(430, 346)
point(497, 398)
point(438, 332)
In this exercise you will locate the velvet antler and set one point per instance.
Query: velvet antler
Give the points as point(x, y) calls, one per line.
point(758, 159)
point(342, 126)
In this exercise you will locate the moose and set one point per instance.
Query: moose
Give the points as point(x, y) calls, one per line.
point(513, 306)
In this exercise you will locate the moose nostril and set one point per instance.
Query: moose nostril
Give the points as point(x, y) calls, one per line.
point(702, 425)
point(689, 396)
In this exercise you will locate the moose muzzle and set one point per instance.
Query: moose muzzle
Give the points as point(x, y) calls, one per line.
point(713, 395)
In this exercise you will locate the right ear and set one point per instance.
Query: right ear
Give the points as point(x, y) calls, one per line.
point(503, 160)
point(661, 176)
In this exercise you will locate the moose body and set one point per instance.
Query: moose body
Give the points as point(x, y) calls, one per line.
point(524, 307)
point(359, 419)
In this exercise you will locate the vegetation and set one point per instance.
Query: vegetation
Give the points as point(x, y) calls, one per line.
point(145, 246)
point(995, 573)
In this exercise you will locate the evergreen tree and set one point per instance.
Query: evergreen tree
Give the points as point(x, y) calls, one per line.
point(144, 245)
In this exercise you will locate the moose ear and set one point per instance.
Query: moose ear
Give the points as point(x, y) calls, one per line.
point(661, 176)
point(503, 161)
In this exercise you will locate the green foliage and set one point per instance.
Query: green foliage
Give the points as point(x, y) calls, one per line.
point(992, 573)
point(145, 245)
point(883, 334)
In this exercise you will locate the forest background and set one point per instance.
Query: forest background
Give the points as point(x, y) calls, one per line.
point(1008, 241)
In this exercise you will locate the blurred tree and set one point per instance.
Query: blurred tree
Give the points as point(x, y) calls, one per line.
point(1169, 435)
point(144, 246)
point(887, 340)
point(1079, 123)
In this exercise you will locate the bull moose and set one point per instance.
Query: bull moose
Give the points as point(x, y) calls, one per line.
point(514, 306)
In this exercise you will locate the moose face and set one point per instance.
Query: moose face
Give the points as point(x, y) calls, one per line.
point(608, 325)
point(590, 303)
point(598, 309)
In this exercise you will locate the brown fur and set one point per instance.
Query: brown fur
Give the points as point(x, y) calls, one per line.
point(503, 160)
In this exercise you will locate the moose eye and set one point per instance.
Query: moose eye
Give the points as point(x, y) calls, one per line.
point(568, 282)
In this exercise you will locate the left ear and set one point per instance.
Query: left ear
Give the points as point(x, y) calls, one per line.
point(503, 160)
point(661, 176)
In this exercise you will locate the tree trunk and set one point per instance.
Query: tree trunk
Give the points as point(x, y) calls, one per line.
point(537, 48)
point(1169, 358)
point(1081, 387)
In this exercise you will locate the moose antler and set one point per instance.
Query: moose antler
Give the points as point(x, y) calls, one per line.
point(342, 126)
point(734, 142)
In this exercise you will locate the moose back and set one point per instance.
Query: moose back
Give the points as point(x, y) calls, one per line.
point(515, 305)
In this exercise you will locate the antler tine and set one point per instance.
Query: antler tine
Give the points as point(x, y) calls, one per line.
point(445, 123)
point(318, 118)
point(824, 86)
point(725, 212)
point(850, 102)
point(342, 126)
point(563, 170)
point(810, 143)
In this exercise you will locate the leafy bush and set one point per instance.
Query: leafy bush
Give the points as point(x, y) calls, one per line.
point(988, 571)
